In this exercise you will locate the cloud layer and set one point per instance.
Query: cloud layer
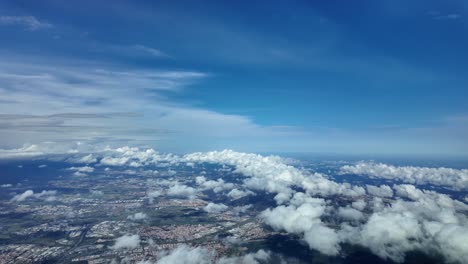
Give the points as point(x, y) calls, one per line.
point(390, 219)
point(446, 177)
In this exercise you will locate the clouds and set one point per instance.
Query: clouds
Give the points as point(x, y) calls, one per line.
point(213, 208)
point(87, 159)
point(180, 190)
point(84, 169)
point(201, 255)
point(237, 194)
point(350, 213)
point(390, 235)
point(83, 97)
point(447, 177)
point(416, 224)
point(184, 254)
point(305, 219)
point(148, 50)
point(127, 242)
point(28, 22)
point(381, 191)
point(46, 195)
point(389, 228)
point(390, 220)
point(217, 186)
point(23, 196)
point(27, 151)
point(137, 216)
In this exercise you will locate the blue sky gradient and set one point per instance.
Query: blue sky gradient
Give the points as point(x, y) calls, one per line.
point(364, 77)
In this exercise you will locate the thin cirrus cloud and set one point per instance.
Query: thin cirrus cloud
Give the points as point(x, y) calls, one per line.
point(28, 22)
point(87, 102)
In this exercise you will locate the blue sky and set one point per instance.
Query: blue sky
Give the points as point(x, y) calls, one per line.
point(357, 77)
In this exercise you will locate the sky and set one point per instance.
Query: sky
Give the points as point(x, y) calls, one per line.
point(349, 77)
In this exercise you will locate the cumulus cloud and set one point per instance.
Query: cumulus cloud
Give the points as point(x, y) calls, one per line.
point(273, 174)
point(381, 191)
point(81, 171)
point(151, 194)
point(84, 169)
point(96, 192)
point(453, 178)
point(391, 228)
point(136, 157)
point(260, 256)
point(23, 196)
point(201, 255)
point(47, 195)
point(359, 204)
point(390, 220)
point(110, 161)
point(237, 194)
point(87, 159)
point(350, 213)
point(418, 223)
point(137, 216)
point(180, 190)
point(217, 186)
point(185, 254)
point(213, 208)
point(305, 219)
point(127, 242)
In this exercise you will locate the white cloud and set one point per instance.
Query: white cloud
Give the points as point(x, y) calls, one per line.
point(29, 22)
point(23, 196)
point(151, 194)
point(184, 254)
point(237, 194)
point(87, 159)
point(416, 224)
point(180, 190)
point(85, 93)
point(393, 227)
point(84, 169)
point(137, 216)
point(390, 235)
point(201, 255)
point(407, 219)
point(109, 161)
point(217, 186)
point(47, 195)
point(27, 151)
point(381, 191)
point(350, 213)
point(359, 204)
point(251, 258)
point(96, 192)
point(213, 208)
point(453, 178)
point(273, 174)
point(305, 219)
point(127, 242)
